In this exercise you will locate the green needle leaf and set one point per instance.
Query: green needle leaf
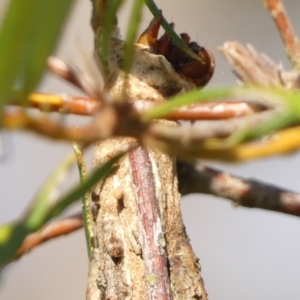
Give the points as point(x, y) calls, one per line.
point(132, 34)
point(28, 35)
point(104, 34)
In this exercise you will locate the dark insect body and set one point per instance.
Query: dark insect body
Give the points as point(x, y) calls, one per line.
point(197, 71)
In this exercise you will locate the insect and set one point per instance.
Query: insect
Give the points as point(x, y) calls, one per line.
point(191, 69)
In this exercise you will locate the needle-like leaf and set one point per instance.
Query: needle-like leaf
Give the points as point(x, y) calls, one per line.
point(131, 35)
point(173, 35)
point(28, 35)
point(104, 33)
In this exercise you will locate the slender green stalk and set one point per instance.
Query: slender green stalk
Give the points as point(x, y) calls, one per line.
point(105, 32)
point(86, 205)
point(131, 35)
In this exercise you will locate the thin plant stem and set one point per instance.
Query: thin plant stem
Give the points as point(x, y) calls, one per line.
point(86, 205)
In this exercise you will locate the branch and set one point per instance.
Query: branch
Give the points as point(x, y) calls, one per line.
point(217, 129)
point(288, 36)
point(112, 119)
point(89, 106)
point(252, 67)
point(197, 178)
point(64, 103)
point(46, 127)
point(50, 231)
point(212, 111)
point(155, 258)
point(217, 139)
point(90, 82)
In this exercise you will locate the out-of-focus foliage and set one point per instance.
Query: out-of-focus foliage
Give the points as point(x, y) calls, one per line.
point(28, 34)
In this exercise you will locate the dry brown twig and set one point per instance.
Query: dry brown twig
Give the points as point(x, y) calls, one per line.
point(50, 231)
point(89, 106)
point(286, 31)
point(252, 67)
point(198, 178)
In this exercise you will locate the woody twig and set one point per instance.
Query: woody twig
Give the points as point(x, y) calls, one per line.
point(286, 31)
point(197, 178)
point(46, 127)
point(87, 106)
point(50, 231)
point(253, 67)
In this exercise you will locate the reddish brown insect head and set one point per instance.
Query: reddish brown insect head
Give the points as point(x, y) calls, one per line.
point(189, 68)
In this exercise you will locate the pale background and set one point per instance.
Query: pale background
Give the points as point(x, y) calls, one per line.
point(244, 253)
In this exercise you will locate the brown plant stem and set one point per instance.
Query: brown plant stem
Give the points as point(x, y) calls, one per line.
point(212, 111)
point(195, 135)
point(197, 178)
point(252, 67)
point(64, 103)
point(286, 31)
point(50, 231)
point(151, 225)
point(46, 127)
point(90, 82)
point(89, 106)
point(63, 70)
